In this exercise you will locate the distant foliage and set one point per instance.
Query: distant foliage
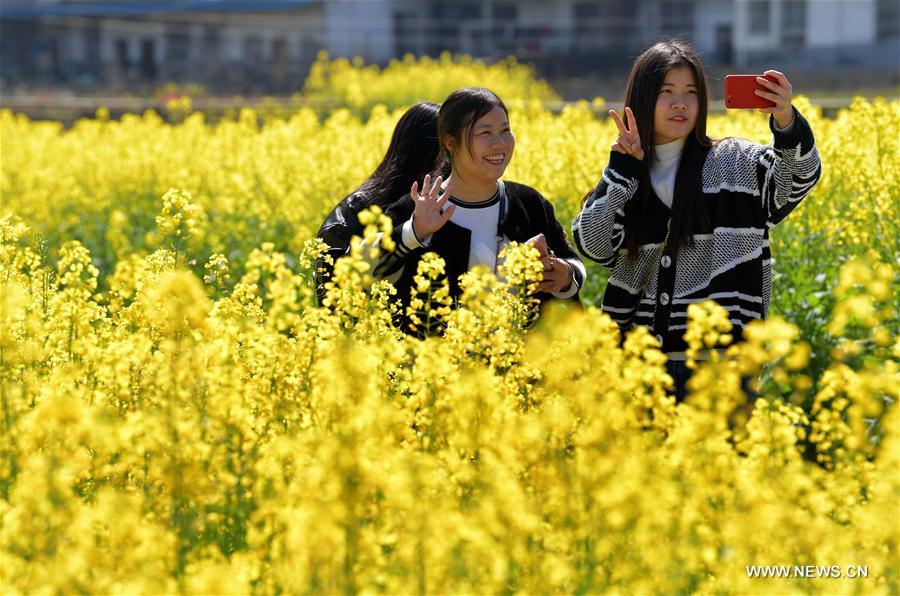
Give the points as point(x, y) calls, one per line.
point(358, 86)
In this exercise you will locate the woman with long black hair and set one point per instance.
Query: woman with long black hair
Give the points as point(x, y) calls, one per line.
point(412, 154)
point(678, 218)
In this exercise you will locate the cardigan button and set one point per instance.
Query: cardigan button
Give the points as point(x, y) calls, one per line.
point(659, 338)
point(664, 299)
point(666, 261)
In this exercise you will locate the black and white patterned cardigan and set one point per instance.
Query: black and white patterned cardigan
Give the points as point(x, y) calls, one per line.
point(747, 188)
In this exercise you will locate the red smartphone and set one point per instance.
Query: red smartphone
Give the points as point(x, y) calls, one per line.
point(739, 92)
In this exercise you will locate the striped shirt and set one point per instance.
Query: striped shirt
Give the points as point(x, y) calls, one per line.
point(747, 189)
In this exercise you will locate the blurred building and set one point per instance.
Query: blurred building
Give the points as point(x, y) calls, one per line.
point(266, 46)
point(230, 44)
point(578, 32)
point(818, 34)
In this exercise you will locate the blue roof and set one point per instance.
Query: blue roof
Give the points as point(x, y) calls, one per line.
point(29, 9)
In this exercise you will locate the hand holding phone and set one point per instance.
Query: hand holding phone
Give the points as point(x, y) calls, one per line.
point(770, 93)
point(740, 92)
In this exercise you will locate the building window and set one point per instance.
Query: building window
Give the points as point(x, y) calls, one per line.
point(178, 44)
point(506, 34)
point(506, 11)
point(253, 50)
point(279, 50)
point(177, 52)
point(724, 44)
point(793, 22)
point(759, 11)
point(467, 10)
point(888, 20)
point(211, 44)
point(405, 34)
point(677, 18)
point(122, 61)
point(587, 25)
point(92, 50)
point(148, 59)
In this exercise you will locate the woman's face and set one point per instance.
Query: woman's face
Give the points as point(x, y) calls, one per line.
point(676, 106)
point(490, 151)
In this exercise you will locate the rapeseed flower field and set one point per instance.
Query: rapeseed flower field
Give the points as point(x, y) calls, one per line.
point(179, 416)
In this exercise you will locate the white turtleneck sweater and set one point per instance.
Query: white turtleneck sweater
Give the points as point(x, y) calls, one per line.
point(663, 168)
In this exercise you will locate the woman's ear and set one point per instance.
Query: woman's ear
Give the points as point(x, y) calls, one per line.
point(448, 144)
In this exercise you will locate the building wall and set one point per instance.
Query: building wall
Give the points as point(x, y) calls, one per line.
point(694, 20)
point(835, 32)
point(709, 16)
point(270, 52)
point(263, 51)
point(131, 33)
point(484, 28)
point(749, 41)
point(359, 28)
point(214, 45)
point(550, 24)
point(831, 23)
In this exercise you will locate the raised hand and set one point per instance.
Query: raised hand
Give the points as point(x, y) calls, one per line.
point(430, 215)
point(629, 141)
point(781, 93)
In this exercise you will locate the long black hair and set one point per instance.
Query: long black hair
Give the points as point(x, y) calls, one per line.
point(459, 113)
point(412, 153)
point(644, 84)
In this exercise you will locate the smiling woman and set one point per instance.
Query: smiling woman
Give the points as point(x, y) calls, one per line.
point(471, 216)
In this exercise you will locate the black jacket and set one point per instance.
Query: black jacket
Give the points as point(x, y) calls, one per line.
point(527, 214)
point(339, 227)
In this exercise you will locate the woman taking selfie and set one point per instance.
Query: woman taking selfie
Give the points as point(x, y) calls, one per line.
point(678, 218)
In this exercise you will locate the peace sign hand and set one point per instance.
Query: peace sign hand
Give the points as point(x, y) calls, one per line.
point(428, 217)
point(629, 141)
